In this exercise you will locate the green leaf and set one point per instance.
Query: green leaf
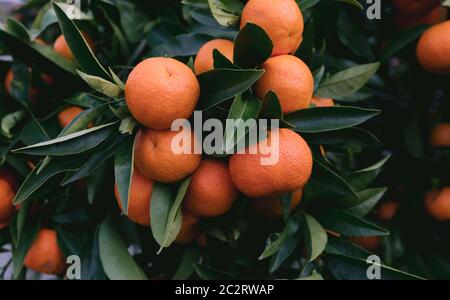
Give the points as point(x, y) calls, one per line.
point(315, 237)
point(33, 132)
point(306, 50)
point(240, 112)
point(54, 167)
point(73, 143)
point(246, 55)
point(167, 213)
point(28, 235)
point(367, 201)
point(83, 120)
point(21, 84)
point(226, 12)
point(313, 276)
point(292, 226)
point(117, 262)
point(347, 81)
point(124, 169)
point(181, 45)
point(222, 84)
point(10, 121)
point(346, 224)
point(321, 119)
point(344, 138)
point(270, 107)
point(190, 256)
point(362, 178)
point(17, 223)
point(78, 46)
point(101, 85)
point(327, 184)
point(354, 38)
point(401, 40)
point(351, 268)
point(221, 62)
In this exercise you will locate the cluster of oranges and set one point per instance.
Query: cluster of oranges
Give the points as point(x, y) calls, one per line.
point(44, 255)
point(411, 13)
point(160, 90)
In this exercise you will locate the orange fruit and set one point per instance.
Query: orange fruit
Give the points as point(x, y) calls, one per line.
point(433, 49)
point(7, 193)
point(45, 256)
point(32, 94)
point(272, 208)
point(415, 6)
point(370, 243)
point(434, 16)
point(287, 174)
point(67, 115)
point(62, 48)
point(281, 19)
point(160, 90)
point(322, 102)
point(204, 60)
point(387, 210)
point(155, 158)
point(440, 135)
point(189, 229)
point(437, 203)
point(211, 191)
point(290, 78)
point(140, 194)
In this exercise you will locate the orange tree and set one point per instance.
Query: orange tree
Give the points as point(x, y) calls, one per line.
point(85, 132)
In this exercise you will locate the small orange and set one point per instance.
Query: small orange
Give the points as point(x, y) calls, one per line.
point(440, 135)
point(67, 115)
point(32, 94)
point(370, 243)
point(7, 192)
point(189, 229)
point(434, 16)
point(437, 203)
point(322, 102)
point(287, 170)
point(204, 60)
point(433, 49)
point(415, 6)
point(387, 210)
point(281, 19)
point(62, 48)
point(272, 208)
point(160, 90)
point(139, 197)
point(45, 256)
point(211, 191)
point(290, 78)
point(156, 159)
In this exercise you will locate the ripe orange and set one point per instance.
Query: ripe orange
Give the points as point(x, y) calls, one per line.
point(434, 16)
point(62, 48)
point(67, 115)
point(433, 49)
point(189, 229)
point(437, 203)
point(322, 102)
point(139, 197)
point(7, 193)
point(290, 78)
point(281, 19)
point(160, 90)
point(204, 60)
point(272, 208)
point(45, 256)
point(387, 210)
point(370, 243)
point(32, 94)
point(286, 175)
point(211, 191)
point(156, 159)
point(440, 135)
